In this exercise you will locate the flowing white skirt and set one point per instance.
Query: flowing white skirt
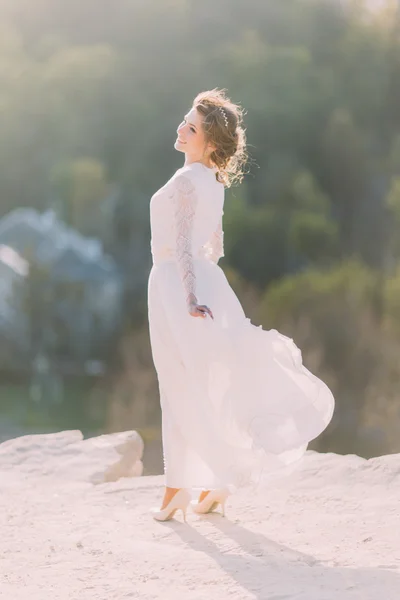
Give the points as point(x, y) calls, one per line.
point(238, 406)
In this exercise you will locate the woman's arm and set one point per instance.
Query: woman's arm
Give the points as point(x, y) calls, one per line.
point(185, 210)
point(185, 204)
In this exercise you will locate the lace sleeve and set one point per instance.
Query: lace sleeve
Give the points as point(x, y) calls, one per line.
point(214, 249)
point(185, 201)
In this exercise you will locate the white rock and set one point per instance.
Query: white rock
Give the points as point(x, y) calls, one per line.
point(328, 532)
point(66, 455)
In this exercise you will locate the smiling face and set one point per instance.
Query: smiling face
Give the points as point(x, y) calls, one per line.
point(191, 138)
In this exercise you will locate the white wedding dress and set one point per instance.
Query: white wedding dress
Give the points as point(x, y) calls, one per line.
point(238, 406)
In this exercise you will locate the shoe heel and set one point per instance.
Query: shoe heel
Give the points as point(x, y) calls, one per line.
point(211, 501)
point(179, 501)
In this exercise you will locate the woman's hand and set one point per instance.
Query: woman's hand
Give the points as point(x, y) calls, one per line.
point(199, 310)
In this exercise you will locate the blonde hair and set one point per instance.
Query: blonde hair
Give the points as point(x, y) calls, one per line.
point(222, 125)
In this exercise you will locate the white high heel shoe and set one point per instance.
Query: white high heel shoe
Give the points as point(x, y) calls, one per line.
point(211, 501)
point(179, 501)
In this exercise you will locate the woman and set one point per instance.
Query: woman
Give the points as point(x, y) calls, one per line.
point(237, 404)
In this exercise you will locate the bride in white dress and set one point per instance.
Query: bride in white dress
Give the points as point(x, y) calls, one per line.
point(238, 406)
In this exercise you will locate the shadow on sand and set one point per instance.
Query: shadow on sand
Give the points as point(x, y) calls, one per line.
point(271, 571)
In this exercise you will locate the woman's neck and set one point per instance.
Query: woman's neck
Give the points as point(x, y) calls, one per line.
point(190, 160)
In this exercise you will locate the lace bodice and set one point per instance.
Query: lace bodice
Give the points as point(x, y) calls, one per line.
point(186, 222)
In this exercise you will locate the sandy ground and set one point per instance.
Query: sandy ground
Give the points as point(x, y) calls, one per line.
point(329, 532)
